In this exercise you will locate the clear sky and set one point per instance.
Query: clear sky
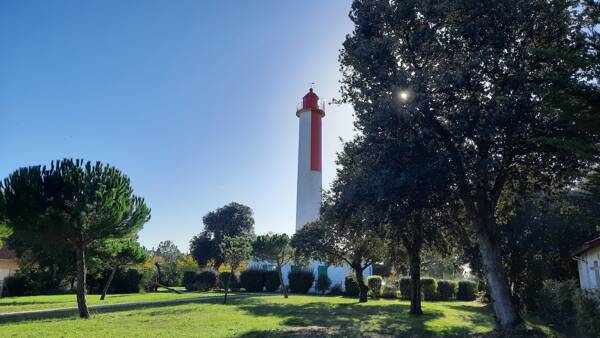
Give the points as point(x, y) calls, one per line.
point(194, 100)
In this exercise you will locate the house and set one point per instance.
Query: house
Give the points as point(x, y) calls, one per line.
point(8, 265)
point(588, 263)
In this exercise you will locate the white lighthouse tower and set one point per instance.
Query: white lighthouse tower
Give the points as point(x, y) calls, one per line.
point(308, 199)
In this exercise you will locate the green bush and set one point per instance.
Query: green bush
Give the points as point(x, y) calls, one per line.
point(389, 292)
point(466, 290)
point(375, 284)
point(301, 280)
point(189, 277)
point(446, 289)
point(234, 283)
point(587, 312)
point(405, 288)
point(126, 282)
point(555, 302)
point(336, 290)
point(323, 283)
point(16, 285)
point(428, 288)
point(253, 280)
point(271, 278)
point(351, 287)
point(205, 280)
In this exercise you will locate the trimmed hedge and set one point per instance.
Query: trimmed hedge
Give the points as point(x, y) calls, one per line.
point(466, 290)
point(189, 277)
point(253, 280)
point(205, 280)
point(405, 288)
point(126, 282)
point(446, 289)
point(351, 287)
point(336, 290)
point(233, 284)
point(301, 280)
point(375, 284)
point(428, 288)
point(323, 283)
point(271, 279)
point(15, 285)
point(389, 292)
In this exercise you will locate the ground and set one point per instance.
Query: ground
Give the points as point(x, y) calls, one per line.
point(258, 316)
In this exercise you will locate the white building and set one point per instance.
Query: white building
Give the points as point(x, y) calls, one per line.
point(588, 264)
point(8, 265)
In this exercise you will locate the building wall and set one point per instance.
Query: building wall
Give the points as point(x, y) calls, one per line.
point(587, 277)
point(8, 267)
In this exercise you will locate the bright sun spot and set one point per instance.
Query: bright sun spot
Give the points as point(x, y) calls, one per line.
point(404, 95)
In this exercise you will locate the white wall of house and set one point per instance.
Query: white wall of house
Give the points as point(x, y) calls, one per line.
point(587, 262)
point(5, 272)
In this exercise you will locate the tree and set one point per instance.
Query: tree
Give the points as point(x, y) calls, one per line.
point(120, 253)
point(73, 203)
point(323, 283)
point(167, 268)
point(234, 251)
point(489, 85)
point(233, 219)
point(341, 236)
point(276, 249)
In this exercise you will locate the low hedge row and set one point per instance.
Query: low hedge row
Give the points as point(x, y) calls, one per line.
point(432, 289)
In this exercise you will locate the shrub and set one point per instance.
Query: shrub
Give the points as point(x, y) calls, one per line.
point(587, 312)
point(126, 282)
point(555, 302)
point(375, 283)
point(301, 280)
point(234, 283)
point(16, 285)
point(271, 280)
point(351, 287)
point(428, 288)
point(189, 277)
point(253, 280)
point(336, 290)
point(323, 283)
point(446, 289)
point(205, 280)
point(389, 292)
point(405, 288)
point(466, 290)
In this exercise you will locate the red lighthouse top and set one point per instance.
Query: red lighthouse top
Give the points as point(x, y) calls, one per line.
point(310, 100)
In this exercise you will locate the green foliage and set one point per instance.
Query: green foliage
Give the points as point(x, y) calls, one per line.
point(16, 285)
point(555, 302)
point(405, 288)
point(350, 286)
point(336, 290)
point(205, 280)
point(231, 220)
point(189, 277)
point(301, 280)
point(234, 281)
point(271, 278)
point(273, 248)
point(253, 280)
point(466, 290)
point(446, 289)
point(375, 284)
point(587, 307)
point(323, 283)
point(126, 281)
point(389, 292)
point(235, 250)
point(429, 288)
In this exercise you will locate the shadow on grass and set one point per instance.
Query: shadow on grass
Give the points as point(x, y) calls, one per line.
point(319, 319)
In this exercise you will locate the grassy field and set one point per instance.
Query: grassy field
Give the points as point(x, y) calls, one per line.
point(14, 304)
point(269, 316)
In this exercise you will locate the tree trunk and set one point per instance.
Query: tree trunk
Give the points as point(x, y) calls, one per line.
point(363, 290)
point(507, 316)
point(415, 281)
point(81, 285)
point(110, 278)
point(227, 286)
point(283, 286)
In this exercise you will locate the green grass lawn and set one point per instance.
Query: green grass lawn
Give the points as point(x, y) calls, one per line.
point(269, 316)
point(14, 304)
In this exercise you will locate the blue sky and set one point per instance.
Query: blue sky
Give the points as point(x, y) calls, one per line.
point(194, 100)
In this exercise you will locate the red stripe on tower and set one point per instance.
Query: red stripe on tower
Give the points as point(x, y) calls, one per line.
point(315, 140)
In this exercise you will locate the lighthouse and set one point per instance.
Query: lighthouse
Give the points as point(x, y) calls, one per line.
point(308, 199)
